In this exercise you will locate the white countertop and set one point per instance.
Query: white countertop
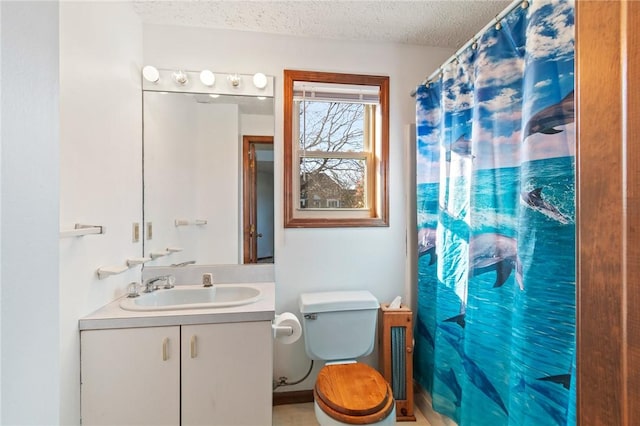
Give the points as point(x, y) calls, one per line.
point(113, 316)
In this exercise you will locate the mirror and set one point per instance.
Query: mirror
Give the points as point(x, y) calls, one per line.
point(194, 173)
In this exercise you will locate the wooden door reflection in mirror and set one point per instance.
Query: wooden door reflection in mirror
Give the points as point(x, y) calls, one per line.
point(257, 199)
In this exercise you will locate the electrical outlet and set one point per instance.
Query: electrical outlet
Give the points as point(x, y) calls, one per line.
point(149, 232)
point(136, 232)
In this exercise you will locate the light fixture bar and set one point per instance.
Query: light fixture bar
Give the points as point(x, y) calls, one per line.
point(208, 82)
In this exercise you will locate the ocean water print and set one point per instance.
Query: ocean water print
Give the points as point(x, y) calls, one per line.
point(495, 330)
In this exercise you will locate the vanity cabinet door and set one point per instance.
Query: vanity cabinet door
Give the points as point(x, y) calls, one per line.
point(227, 374)
point(130, 376)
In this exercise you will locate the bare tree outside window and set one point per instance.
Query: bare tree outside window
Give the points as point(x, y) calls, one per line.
point(327, 128)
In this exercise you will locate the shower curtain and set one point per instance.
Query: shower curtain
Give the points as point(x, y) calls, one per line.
point(495, 328)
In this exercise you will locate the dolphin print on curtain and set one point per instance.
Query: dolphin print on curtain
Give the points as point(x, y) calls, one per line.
point(495, 329)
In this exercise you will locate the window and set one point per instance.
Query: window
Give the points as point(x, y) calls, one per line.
point(336, 145)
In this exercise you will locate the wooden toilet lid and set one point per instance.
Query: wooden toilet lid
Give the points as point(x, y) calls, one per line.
point(353, 393)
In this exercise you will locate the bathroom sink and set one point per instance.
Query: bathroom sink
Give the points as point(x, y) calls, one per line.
point(193, 297)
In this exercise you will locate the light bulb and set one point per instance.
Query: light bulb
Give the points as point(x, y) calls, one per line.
point(150, 73)
point(260, 80)
point(207, 78)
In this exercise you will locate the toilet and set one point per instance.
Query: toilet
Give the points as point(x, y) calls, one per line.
point(339, 327)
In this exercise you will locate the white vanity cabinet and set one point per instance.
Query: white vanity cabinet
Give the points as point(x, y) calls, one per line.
point(130, 376)
point(227, 374)
point(214, 374)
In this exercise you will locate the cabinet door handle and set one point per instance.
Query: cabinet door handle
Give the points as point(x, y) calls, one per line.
point(194, 341)
point(165, 349)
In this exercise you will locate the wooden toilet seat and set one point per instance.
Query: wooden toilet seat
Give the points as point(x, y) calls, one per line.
point(353, 393)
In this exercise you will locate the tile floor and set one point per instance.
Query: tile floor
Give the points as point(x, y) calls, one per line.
point(303, 415)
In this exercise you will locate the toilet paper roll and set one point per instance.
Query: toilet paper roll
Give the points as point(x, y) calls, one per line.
point(286, 328)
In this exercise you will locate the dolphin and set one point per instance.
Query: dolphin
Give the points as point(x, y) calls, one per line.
point(454, 224)
point(424, 332)
point(545, 120)
point(449, 378)
point(561, 379)
point(476, 375)
point(495, 252)
point(458, 319)
point(551, 409)
point(544, 389)
point(427, 244)
point(462, 147)
point(535, 201)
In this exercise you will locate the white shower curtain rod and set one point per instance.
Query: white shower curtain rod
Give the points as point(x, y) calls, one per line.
point(522, 3)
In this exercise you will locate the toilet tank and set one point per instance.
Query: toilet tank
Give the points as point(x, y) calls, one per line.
point(338, 325)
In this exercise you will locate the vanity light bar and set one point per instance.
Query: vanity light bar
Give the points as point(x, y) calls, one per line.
point(207, 82)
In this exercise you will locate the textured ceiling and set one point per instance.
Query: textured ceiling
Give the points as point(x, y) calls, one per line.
point(448, 23)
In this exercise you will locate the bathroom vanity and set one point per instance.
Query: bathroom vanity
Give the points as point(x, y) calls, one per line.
point(178, 367)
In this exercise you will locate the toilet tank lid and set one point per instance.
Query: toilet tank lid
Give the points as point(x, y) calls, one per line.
point(331, 301)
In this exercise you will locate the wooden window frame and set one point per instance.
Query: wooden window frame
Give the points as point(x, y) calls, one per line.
point(379, 204)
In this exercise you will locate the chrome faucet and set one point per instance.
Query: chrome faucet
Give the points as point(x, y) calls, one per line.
point(151, 284)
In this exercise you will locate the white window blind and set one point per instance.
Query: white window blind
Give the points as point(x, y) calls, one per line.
point(309, 91)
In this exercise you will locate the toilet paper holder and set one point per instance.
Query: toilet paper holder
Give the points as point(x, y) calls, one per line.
point(281, 330)
point(286, 328)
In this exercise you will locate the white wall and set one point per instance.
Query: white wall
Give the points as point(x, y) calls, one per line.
point(30, 382)
point(100, 172)
point(316, 259)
